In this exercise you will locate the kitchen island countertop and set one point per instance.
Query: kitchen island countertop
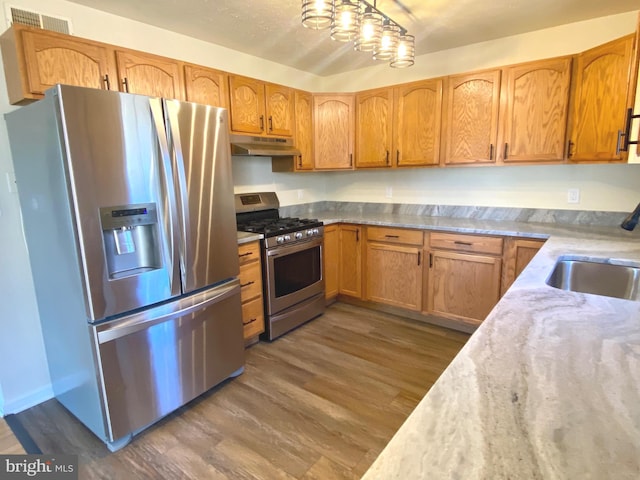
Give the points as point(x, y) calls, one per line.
point(547, 387)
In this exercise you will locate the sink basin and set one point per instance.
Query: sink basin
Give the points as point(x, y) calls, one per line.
point(596, 277)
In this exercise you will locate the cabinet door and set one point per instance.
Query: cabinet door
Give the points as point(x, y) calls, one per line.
point(148, 74)
point(518, 253)
point(418, 114)
point(331, 256)
point(206, 86)
point(463, 286)
point(279, 110)
point(333, 131)
point(374, 128)
point(394, 275)
point(246, 97)
point(600, 101)
point(351, 260)
point(534, 113)
point(470, 126)
point(304, 130)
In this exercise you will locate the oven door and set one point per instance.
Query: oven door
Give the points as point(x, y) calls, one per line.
point(293, 274)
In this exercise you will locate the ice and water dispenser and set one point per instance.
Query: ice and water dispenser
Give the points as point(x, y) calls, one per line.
point(131, 241)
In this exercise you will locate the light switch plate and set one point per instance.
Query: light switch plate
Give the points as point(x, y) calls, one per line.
point(573, 195)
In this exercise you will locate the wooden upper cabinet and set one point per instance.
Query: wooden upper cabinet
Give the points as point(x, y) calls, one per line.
point(35, 60)
point(534, 111)
point(374, 128)
point(600, 101)
point(148, 74)
point(246, 96)
point(206, 86)
point(333, 131)
point(279, 109)
point(470, 116)
point(418, 121)
point(304, 130)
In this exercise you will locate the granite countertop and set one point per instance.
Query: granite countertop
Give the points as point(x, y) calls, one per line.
point(548, 387)
point(248, 237)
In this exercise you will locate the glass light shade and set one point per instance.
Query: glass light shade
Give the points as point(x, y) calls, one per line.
point(370, 31)
point(346, 20)
point(405, 52)
point(317, 14)
point(385, 49)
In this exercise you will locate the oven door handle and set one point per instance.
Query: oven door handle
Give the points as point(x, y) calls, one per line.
point(281, 250)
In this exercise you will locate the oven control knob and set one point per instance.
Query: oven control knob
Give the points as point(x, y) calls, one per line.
point(280, 240)
point(316, 231)
point(287, 237)
point(309, 233)
point(298, 235)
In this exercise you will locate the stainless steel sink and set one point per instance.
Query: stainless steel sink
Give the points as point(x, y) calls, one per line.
point(598, 278)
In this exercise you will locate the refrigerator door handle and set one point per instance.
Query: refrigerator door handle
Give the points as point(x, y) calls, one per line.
point(110, 331)
point(171, 107)
point(158, 119)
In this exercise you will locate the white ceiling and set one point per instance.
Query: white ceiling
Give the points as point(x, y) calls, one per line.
point(271, 29)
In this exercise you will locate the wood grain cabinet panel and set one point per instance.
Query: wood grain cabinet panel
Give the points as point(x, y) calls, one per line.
point(418, 123)
point(350, 274)
point(472, 102)
point(279, 108)
point(148, 74)
point(331, 261)
point(534, 113)
point(206, 86)
point(518, 252)
point(304, 130)
point(374, 128)
point(251, 290)
point(333, 131)
point(601, 97)
point(246, 97)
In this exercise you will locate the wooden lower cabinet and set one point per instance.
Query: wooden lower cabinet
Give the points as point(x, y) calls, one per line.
point(251, 290)
point(518, 252)
point(394, 275)
point(350, 266)
point(331, 261)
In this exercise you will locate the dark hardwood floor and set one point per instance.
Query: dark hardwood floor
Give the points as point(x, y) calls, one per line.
point(318, 403)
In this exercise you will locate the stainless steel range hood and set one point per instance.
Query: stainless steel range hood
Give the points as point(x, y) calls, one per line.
point(246, 145)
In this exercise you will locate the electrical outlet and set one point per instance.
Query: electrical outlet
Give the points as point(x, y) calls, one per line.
point(388, 192)
point(573, 195)
point(300, 194)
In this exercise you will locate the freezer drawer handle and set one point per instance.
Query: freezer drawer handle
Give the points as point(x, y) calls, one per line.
point(144, 320)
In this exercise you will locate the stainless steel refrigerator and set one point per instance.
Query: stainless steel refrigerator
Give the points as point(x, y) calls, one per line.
point(128, 211)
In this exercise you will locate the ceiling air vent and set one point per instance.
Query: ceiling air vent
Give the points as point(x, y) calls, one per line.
point(37, 20)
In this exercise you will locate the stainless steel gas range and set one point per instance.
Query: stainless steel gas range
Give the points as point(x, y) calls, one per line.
point(291, 262)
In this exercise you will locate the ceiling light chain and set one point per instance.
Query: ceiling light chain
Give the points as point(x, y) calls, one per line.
point(361, 22)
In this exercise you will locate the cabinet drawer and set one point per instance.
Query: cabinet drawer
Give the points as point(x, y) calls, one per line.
point(394, 235)
point(253, 318)
point(250, 280)
point(248, 252)
point(466, 243)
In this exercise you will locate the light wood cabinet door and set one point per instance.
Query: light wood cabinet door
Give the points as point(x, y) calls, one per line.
point(518, 252)
point(333, 117)
point(600, 101)
point(148, 74)
point(350, 275)
point(470, 118)
point(463, 286)
point(206, 86)
point(331, 260)
point(418, 122)
point(246, 97)
point(304, 130)
point(251, 290)
point(374, 128)
point(534, 113)
point(279, 110)
point(394, 275)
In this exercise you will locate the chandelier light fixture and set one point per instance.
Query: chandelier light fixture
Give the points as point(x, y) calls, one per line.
point(361, 22)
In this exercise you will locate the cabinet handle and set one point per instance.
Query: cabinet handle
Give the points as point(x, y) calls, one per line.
point(627, 131)
point(249, 321)
point(270, 123)
point(125, 84)
point(467, 244)
point(506, 150)
point(299, 161)
point(430, 260)
point(242, 285)
point(392, 236)
point(397, 157)
point(357, 235)
point(491, 151)
point(106, 81)
point(570, 145)
point(419, 255)
point(387, 157)
point(245, 254)
point(351, 159)
point(621, 134)
point(261, 122)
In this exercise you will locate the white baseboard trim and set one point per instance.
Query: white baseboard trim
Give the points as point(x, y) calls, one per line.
point(17, 405)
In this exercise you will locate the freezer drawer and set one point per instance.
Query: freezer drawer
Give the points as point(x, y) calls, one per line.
point(154, 362)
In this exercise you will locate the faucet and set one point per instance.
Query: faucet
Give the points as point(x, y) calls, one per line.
point(631, 221)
